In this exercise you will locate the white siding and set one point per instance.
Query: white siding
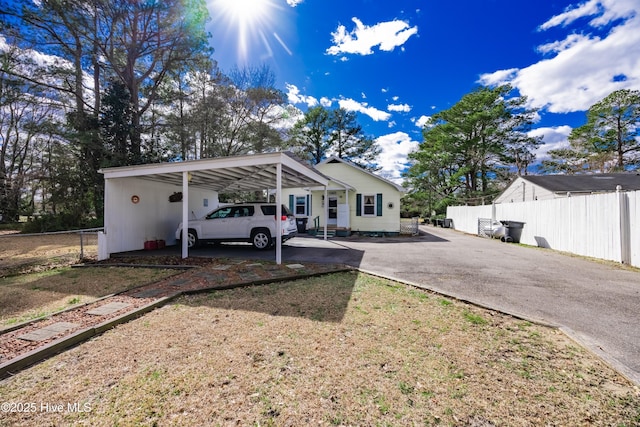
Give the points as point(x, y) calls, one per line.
point(362, 183)
point(521, 190)
point(605, 226)
point(128, 225)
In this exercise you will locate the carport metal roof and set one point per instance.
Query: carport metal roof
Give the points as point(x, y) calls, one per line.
point(239, 173)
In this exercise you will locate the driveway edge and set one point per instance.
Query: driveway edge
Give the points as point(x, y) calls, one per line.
point(582, 341)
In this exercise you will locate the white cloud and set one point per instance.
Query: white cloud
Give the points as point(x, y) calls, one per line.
point(394, 156)
point(363, 107)
point(499, 77)
point(294, 3)
point(421, 121)
point(294, 96)
point(553, 138)
point(395, 98)
point(404, 108)
point(560, 45)
point(285, 117)
point(386, 35)
point(325, 102)
point(586, 67)
point(572, 13)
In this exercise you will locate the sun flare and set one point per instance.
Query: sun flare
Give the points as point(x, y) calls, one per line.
point(243, 12)
point(253, 23)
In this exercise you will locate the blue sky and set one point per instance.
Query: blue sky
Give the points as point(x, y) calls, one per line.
point(398, 62)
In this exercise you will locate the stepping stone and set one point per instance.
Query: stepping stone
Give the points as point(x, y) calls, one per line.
point(48, 331)
point(277, 273)
point(257, 264)
point(179, 282)
point(295, 266)
point(221, 267)
point(149, 293)
point(249, 276)
point(112, 307)
point(210, 277)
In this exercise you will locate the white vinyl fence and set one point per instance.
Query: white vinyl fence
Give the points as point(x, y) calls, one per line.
point(604, 226)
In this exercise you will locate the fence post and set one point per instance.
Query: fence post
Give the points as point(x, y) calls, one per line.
point(81, 245)
point(623, 216)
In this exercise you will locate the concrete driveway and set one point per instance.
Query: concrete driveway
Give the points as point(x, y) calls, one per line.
point(596, 303)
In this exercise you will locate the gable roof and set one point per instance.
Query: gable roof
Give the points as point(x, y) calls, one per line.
point(334, 159)
point(603, 182)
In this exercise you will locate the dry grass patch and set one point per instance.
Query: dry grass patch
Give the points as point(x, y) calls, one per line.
point(343, 349)
point(34, 295)
point(20, 254)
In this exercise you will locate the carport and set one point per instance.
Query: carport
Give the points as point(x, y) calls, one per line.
point(137, 201)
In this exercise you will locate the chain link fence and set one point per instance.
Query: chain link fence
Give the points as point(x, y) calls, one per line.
point(20, 252)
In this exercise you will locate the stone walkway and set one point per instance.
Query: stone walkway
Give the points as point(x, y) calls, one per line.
point(31, 342)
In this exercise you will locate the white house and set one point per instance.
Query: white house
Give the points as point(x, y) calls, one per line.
point(356, 200)
point(546, 187)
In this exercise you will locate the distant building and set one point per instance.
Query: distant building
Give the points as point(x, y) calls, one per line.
point(545, 187)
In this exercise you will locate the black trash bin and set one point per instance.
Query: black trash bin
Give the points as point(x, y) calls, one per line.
point(302, 224)
point(513, 231)
point(447, 223)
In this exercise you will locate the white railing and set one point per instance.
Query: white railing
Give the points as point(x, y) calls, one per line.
point(409, 226)
point(604, 226)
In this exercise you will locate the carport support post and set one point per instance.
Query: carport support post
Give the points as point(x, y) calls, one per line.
point(185, 214)
point(326, 211)
point(279, 213)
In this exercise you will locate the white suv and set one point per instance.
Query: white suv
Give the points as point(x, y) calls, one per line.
point(245, 222)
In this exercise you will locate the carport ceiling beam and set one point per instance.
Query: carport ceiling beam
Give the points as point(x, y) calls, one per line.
point(254, 176)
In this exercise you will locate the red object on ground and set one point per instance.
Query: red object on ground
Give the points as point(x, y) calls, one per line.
point(150, 245)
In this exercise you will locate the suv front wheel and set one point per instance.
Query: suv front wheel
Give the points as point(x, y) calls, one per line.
point(261, 239)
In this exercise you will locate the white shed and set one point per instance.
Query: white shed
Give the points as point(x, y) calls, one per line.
point(546, 187)
point(137, 205)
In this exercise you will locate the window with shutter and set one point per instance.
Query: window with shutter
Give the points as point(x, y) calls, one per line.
point(369, 205)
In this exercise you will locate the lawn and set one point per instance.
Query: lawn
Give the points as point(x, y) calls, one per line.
point(34, 295)
point(340, 349)
point(21, 254)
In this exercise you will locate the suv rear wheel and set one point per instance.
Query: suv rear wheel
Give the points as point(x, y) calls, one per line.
point(261, 238)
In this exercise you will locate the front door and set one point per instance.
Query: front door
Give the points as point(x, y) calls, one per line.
point(333, 211)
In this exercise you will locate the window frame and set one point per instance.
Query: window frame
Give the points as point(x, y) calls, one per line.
point(304, 205)
point(365, 205)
